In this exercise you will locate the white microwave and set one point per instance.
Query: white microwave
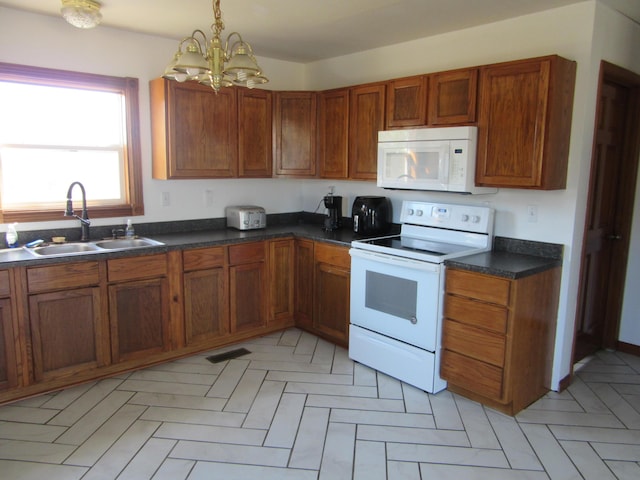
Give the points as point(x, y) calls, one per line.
point(440, 159)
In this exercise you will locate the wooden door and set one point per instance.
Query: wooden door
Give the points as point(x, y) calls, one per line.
point(294, 133)
point(407, 102)
point(281, 280)
point(66, 332)
point(255, 157)
point(614, 167)
point(205, 305)
point(304, 290)
point(366, 119)
point(452, 97)
point(333, 134)
point(248, 286)
point(201, 130)
point(139, 313)
point(8, 360)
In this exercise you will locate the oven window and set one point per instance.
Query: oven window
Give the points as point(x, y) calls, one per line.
point(391, 295)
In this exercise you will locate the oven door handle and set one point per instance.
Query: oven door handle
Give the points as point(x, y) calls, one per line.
point(397, 261)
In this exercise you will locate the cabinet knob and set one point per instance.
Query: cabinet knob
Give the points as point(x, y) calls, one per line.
point(176, 299)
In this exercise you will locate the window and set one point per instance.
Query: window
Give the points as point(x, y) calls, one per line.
point(58, 127)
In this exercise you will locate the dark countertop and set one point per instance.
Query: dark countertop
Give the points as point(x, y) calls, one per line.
point(504, 264)
point(187, 240)
point(510, 258)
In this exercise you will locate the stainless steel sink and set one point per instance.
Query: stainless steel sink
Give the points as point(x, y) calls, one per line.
point(126, 243)
point(99, 246)
point(65, 249)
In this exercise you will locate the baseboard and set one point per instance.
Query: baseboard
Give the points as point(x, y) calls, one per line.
point(628, 348)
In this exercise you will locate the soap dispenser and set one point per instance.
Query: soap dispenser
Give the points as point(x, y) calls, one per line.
point(12, 235)
point(129, 232)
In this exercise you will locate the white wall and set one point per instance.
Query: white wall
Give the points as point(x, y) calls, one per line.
point(50, 42)
point(567, 31)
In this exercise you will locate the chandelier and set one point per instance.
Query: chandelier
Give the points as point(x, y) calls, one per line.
point(214, 65)
point(81, 13)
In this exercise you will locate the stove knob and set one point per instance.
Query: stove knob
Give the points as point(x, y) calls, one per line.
point(410, 211)
point(465, 218)
point(419, 213)
point(475, 218)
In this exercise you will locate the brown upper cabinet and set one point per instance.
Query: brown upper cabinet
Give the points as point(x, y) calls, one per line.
point(333, 133)
point(366, 119)
point(194, 130)
point(294, 133)
point(407, 102)
point(452, 97)
point(254, 133)
point(524, 123)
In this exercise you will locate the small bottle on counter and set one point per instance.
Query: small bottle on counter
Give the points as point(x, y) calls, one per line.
point(129, 232)
point(12, 235)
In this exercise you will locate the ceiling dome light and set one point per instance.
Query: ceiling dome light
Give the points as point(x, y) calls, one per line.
point(81, 13)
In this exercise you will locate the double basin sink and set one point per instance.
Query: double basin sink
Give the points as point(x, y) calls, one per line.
point(99, 246)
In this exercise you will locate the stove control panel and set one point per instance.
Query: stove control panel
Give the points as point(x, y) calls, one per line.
point(470, 218)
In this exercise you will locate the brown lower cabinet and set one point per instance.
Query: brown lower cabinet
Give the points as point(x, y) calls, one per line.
point(67, 322)
point(206, 293)
point(138, 306)
point(330, 293)
point(73, 322)
point(498, 337)
point(248, 286)
point(8, 359)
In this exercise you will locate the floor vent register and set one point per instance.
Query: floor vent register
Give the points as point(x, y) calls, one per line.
point(231, 354)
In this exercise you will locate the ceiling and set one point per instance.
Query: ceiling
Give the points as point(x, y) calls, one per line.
point(309, 30)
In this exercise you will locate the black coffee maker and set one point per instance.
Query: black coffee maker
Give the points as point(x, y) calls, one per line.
point(333, 204)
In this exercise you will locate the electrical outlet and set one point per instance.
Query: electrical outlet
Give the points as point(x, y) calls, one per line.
point(166, 199)
point(532, 213)
point(208, 198)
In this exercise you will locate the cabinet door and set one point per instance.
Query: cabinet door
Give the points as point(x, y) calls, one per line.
point(452, 97)
point(524, 123)
point(248, 296)
point(407, 102)
point(206, 309)
point(67, 333)
point(248, 286)
point(255, 155)
point(366, 119)
point(333, 134)
point(281, 280)
point(8, 363)
point(332, 292)
point(294, 133)
point(304, 290)
point(139, 314)
point(194, 129)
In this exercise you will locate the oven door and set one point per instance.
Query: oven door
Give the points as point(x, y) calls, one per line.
point(397, 297)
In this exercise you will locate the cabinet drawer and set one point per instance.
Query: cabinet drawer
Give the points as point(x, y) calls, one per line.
point(132, 268)
point(474, 342)
point(333, 255)
point(472, 312)
point(472, 375)
point(68, 275)
point(247, 253)
point(478, 286)
point(203, 258)
point(4, 284)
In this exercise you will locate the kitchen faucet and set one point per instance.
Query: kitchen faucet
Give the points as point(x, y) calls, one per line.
point(84, 219)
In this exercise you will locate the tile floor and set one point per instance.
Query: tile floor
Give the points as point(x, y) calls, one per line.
point(296, 407)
